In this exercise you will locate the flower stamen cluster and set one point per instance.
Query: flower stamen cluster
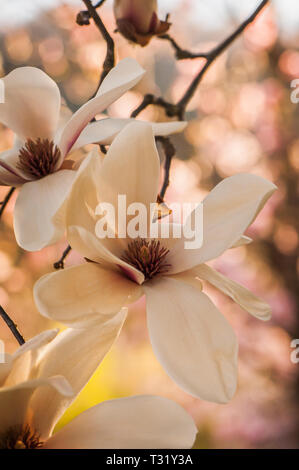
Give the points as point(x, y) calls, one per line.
point(38, 158)
point(147, 256)
point(20, 437)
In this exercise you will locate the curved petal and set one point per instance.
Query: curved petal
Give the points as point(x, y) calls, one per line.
point(24, 359)
point(105, 130)
point(9, 174)
point(32, 103)
point(5, 366)
point(131, 169)
point(194, 343)
point(74, 354)
point(242, 296)
point(119, 80)
point(81, 220)
point(39, 214)
point(91, 248)
point(244, 240)
point(83, 293)
point(140, 422)
point(228, 211)
point(15, 401)
point(83, 200)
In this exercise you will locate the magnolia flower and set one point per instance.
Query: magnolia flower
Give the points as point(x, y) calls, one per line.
point(194, 343)
point(37, 162)
point(41, 379)
point(137, 20)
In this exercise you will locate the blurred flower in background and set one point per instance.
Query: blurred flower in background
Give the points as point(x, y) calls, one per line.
point(243, 120)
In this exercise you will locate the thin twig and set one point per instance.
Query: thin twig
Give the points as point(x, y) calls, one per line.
point(178, 110)
point(182, 54)
point(6, 200)
point(214, 53)
point(169, 151)
point(109, 61)
point(171, 109)
point(12, 326)
point(60, 263)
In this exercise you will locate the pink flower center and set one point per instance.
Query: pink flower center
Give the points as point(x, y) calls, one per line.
point(38, 158)
point(149, 257)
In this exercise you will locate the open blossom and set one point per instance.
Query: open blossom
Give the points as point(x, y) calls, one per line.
point(137, 20)
point(193, 341)
point(38, 161)
point(42, 378)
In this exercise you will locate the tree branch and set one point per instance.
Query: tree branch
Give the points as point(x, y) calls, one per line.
point(12, 326)
point(178, 110)
point(214, 53)
point(109, 61)
point(169, 151)
point(182, 54)
point(6, 200)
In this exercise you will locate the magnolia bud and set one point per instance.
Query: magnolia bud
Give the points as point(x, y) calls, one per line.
point(137, 20)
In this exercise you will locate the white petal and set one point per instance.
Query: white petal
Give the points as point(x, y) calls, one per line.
point(81, 220)
point(140, 422)
point(39, 214)
point(105, 130)
point(194, 343)
point(25, 357)
point(228, 211)
point(131, 168)
point(74, 354)
point(246, 299)
point(123, 77)
point(9, 174)
point(83, 200)
point(242, 241)
point(32, 103)
point(83, 293)
point(5, 366)
point(14, 401)
point(91, 248)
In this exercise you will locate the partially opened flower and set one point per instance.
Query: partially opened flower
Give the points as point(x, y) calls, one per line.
point(37, 162)
point(192, 340)
point(137, 20)
point(42, 378)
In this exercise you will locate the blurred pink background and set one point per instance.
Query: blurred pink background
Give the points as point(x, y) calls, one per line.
point(241, 120)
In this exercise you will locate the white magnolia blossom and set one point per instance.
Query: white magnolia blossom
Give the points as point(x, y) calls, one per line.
point(41, 379)
point(193, 341)
point(37, 162)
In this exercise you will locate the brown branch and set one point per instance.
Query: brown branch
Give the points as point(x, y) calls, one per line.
point(214, 53)
point(180, 53)
point(84, 16)
point(12, 326)
point(171, 109)
point(60, 263)
point(6, 200)
point(178, 110)
point(169, 152)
